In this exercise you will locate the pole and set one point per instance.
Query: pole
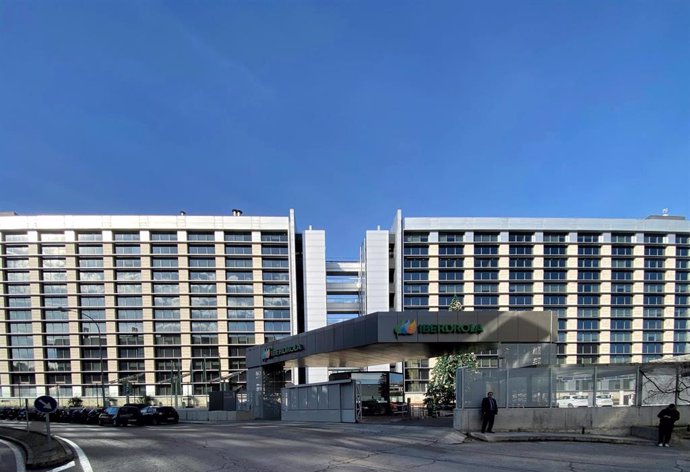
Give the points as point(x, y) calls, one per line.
point(48, 427)
point(100, 349)
point(26, 408)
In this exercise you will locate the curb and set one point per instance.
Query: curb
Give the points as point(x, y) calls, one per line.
point(533, 437)
point(34, 444)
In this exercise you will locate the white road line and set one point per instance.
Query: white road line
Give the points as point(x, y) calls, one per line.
point(69, 465)
point(83, 460)
point(18, 456)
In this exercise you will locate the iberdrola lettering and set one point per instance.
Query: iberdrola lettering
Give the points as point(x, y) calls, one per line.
point(450, 329)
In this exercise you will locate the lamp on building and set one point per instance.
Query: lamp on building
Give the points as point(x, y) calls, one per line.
point(100, 349)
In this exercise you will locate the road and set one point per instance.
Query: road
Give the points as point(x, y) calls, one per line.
point(264, 446)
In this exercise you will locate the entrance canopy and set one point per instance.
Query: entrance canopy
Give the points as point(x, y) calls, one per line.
point(390, 336)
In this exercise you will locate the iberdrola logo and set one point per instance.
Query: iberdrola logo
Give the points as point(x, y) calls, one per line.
point(266, 353)
point(405, 328)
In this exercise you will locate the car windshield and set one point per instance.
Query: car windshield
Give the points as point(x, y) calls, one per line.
point(580, 397)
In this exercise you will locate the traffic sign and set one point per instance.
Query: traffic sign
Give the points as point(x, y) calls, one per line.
point(45, 404)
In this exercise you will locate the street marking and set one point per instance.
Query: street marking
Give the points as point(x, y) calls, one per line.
point(69, 465)
point(18, 456)
point(83, 460)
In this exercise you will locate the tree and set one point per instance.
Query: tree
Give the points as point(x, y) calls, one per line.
point(455, 304)
point(441, 389)
point(147, 400)
point(75, 402)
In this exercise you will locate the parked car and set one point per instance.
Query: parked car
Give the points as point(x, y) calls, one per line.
point(604, 399)
point(159, 414)
point(120, 416)
point(573, 401)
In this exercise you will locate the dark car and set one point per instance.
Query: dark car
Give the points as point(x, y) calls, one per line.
point(159, 414)
point(120, 416)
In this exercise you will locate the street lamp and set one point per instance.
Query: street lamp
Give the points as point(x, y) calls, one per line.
point(100, 348)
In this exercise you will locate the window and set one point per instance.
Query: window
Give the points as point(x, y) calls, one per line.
point(158, 250)
point(654, 238)
point(247, 276)
point(486, 275)
point(520, 275)
point(588, 263)
point(588, 312)
point(130, 236)
point(621, 238)
point(450, 288)
point(621, 275)
point(277, 326)
point(451, 237)
point(588, 300)
point(445, 275)
point(238, 237)
point(622, 251)
point(554, 300)
point(490, 262)
point(621, 300)
point(203, 301)
point(485, 300)
point(249, 314)
point(520, 288)
point(588, 250)
point(551, 263)
point(416, 301)
point(588, 238)
point(166, 314)
point(655, 263)
point(202, 288)
point(520, 300)
point(587, 324)
point(244, 250)
point(520, 237)
point(485, 250)
point(450, 250)
point(417, 276)
point(134, 262)
point(416, 263)
point(160, 262)
point(200, 236)
point(166, 301)
point(165, 276)
point(486, 237)
point(166, 288)
point(204, 326)
point(416, 250)
point(276, 301)
point(555, 250)
point(167, 327)
point(448, 263)
point(127, 250)
point(201, 249)
point(555, 237)
point(621, 288)
point(520, 262)
point(416, 288)
point(652, 324)
point(621, 324)
point(204, 314)
point(486, 288)
point(554, 275)
point(240, 301)
point(195, 263)
point(167, 236)
point(416, 237)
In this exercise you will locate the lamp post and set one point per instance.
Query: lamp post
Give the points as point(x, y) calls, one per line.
point(100, 349)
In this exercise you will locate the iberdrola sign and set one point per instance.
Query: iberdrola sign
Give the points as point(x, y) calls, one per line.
point(409, 327)
point(271, 352)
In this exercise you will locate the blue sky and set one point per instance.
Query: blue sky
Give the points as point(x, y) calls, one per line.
point(346, 110)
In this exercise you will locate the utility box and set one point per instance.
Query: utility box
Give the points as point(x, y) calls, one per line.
point(225, 401)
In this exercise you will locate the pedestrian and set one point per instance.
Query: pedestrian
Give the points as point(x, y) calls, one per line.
point(667, 417)
point(489, 412)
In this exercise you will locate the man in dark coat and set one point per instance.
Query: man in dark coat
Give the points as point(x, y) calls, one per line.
point(489, 411)
point(667, 417)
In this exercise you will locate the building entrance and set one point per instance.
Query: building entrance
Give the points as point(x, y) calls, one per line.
point(386, 337)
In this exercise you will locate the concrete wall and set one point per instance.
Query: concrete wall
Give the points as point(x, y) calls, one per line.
point(198, 414)
point(597, 420)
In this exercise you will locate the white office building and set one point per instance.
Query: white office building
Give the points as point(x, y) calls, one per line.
point(156, 295)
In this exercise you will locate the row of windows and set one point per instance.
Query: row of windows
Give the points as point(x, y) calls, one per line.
point(587, 238)
point(154, 236)
point(582, 263)
point(131, 250)
point(680, 276)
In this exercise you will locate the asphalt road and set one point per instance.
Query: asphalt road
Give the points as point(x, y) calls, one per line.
point(9, 458)
point(285, 447)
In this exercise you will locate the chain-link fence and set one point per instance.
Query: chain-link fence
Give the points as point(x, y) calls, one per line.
point(576, 386)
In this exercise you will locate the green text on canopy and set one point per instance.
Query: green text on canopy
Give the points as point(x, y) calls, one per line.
point(450, 329)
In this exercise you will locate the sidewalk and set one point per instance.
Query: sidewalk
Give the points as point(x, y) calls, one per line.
point(37, 451)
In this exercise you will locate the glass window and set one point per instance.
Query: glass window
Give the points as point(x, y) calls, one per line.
point(277, 326)
point(416, 237)
point(164, 236)
point(160, 262)
point(277, 314)
point(237, 236)
point(241, 326)
point(126, 236)
point(157, 250)
point(166, 288)
point(245, 314)
point(168, 276)
point(166, 301)
point(166, 314)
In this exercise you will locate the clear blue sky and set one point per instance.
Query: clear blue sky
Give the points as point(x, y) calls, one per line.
point(346, 110)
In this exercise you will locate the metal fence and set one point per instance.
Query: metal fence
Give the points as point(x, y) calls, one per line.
point(576, 386)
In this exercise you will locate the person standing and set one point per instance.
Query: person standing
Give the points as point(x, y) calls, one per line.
point(667, 417)
point(489, 412)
